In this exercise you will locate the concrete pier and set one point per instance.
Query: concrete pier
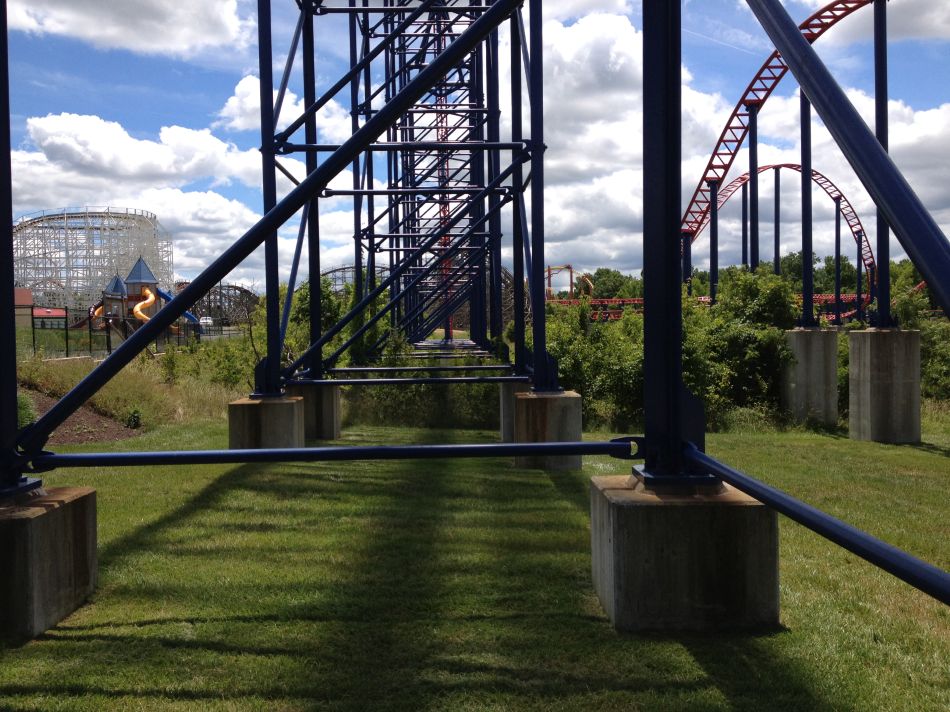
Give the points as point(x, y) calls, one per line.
point(810, 383)
point(47, 558)
point(255, 423)
point(547, 418)
point(703, 561)
point(506, 408)
point(884, 385)
point(321, 409)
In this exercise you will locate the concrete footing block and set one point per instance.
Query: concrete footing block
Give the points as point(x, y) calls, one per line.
point(810, 383)
point(884, 385)
point(506, 408)
point(548, 418)
point(255, 423)
point(683, 562)
point(321, 409)
point(48, 563)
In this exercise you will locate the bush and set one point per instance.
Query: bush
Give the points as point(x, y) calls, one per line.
point(25, 410)
point(935, 359)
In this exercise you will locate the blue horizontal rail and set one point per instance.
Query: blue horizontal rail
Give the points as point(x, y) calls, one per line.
point(414, 381)
point(621, 448)
point(919, 574)
point(413, 369)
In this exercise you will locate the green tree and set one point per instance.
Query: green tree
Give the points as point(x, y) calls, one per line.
point(762, 298)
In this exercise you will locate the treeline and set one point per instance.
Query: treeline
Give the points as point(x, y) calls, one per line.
point(612, 284)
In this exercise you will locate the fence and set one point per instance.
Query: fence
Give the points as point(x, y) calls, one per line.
point(59, 333)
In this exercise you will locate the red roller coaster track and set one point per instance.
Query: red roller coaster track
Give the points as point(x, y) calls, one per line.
point(760, 88)
point(847, 210)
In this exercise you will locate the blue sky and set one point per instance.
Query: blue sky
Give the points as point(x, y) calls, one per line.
point(150, 106)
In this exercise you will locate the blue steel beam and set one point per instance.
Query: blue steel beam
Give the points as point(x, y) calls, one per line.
point(919, 574)
point(915, 228)
point(267, 375)
point(620, 448)
point(859, 307)
point(545, 373)
point(313, 207)
point(777, 227)
point(753, 110)
point(414, 380)
point(11, 482)
point(34, 437)
point(518, 243)
point(883, 263)
point(662, 321)
point(745, 224)
point(713, 240)
point(837, 319)
point(808, 267)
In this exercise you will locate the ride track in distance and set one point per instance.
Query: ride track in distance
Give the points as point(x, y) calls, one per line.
point(696, 216)
point(847, 210)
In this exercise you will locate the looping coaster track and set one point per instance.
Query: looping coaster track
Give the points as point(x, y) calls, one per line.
point(847, 210)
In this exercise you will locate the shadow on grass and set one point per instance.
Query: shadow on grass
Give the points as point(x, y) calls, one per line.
point(404, 585)
point(930, 448)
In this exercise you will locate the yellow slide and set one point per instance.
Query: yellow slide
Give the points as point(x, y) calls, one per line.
point(144, 304)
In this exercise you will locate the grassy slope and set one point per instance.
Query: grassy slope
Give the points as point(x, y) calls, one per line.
point(465, 585)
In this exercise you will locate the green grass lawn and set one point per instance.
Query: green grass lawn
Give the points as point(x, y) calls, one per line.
point(457, 585)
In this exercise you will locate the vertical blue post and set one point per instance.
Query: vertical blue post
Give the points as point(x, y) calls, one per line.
point(545, 379)
point(495, 326)
point(357, 198)
point(777, 233)
point(753, 110)
point(517, 234)
point(315, 363)
point(808, 277)
point(883, 280)
point(687, 262)
point(859, 310)
point(476, 161)
point(368, 170)
point(837, 259)
point(267, 380)
point(9, 478)
point(662, 327)
point(745, 224)
point(713, 240)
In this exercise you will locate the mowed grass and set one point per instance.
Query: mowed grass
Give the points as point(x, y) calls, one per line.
point(464, 585)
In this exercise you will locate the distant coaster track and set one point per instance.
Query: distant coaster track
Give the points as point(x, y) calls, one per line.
point(847, 210)
point(733, 135)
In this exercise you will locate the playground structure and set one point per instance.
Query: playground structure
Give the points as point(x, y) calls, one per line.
point(127, 304)
point(65, 256)
point(448, 176)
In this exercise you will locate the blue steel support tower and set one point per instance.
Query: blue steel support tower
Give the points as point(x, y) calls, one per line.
point(428, 199)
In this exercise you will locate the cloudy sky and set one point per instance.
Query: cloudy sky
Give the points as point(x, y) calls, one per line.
point(152, 104)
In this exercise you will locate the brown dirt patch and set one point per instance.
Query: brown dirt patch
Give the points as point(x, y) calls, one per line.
point(83, 426)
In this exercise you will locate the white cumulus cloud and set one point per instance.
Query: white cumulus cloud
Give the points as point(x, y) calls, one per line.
point(171, 27)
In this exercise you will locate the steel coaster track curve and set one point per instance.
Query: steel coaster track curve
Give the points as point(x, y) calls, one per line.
point(847, 210)
point(760, 88)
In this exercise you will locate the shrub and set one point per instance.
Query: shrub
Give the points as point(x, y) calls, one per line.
point(935, 359)
point(25, 410)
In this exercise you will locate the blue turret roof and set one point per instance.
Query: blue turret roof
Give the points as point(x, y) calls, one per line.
point(141, 274)
point(116, 287)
